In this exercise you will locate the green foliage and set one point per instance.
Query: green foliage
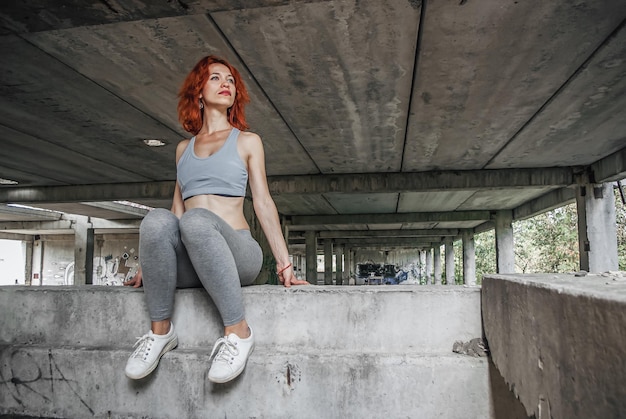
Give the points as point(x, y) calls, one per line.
point(485, 246)
point(547, 243)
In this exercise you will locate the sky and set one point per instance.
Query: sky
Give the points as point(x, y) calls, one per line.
point(12, 262)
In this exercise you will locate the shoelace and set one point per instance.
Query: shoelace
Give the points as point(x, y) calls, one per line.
point(227, 350)
point(143, 344)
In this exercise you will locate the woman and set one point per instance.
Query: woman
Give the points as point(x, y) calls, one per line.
point(205, 239)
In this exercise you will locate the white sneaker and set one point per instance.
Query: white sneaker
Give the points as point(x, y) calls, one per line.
point(231, 357)
point(149, 350)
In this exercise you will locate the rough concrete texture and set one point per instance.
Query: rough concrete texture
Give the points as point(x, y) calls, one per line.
point(321, 352)
point(374, 318)
point(80, 383)
point(558, 341)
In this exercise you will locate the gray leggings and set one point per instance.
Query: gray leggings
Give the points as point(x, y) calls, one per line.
point(199, 250)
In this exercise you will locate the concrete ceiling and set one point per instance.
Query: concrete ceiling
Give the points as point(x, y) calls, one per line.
point(375, 115)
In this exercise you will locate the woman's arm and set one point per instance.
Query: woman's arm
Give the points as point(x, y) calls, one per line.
point(265, 208)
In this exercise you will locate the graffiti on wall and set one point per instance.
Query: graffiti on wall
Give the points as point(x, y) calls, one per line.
point(31, 382)
point(108, 270)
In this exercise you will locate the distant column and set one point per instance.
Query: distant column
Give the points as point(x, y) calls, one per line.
point(505, 248)
point(469, 258)
point(429, 266)
point(449, 248)
point(423, 274)
point(310, 239)
point(339, 265)
point(328, 262)
point(83, 251)
point(597, 230)
point(437, 263)
point(348, 269)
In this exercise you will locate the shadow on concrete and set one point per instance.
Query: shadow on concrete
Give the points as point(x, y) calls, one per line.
point(505, 404)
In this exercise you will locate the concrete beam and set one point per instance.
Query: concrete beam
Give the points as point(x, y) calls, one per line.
point(16, 236)
point(547, 202)
point(415, 217)
point(102, 224)
point(420, 181)
point(36, 225)
point(89, 193)
point(391, 247)
point(381, 233)
point(610, 168)
point(118, 207)
point(29, 214)
point(310, 184)
point(390, 241)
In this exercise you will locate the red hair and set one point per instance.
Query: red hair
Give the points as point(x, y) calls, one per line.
point(189, 113)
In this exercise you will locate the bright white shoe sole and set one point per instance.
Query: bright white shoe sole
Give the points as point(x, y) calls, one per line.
point(170, 345)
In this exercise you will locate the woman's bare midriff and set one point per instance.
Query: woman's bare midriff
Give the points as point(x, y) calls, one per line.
point(230, 209)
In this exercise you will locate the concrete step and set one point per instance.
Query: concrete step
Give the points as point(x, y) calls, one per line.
point(81, 383)
point(400, 319)
point(321, 352)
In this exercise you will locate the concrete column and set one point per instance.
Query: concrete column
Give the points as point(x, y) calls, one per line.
point(310, 238)
point(469, 258)
point(28, 268)
point(597, 230)
point(328, 262)
point(38, 254)
point(301, 266)
point(423, 276)
point(449, 248)
point(429, 266)
point(437, 263)
point(505, 248)
point(339, 265)
point(83, 250)
point(349, 265)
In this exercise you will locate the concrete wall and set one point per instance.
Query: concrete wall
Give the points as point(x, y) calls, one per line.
point(321, 352)
point(559, 341)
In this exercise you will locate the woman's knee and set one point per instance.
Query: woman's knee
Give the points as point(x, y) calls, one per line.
point(159, 223)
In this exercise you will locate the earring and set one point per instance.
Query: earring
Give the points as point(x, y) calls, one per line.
point(201, 105)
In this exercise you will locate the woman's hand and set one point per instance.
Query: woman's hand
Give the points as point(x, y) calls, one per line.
point(135, 281)
point(288, 278)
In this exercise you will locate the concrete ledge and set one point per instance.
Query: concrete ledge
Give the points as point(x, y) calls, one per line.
point(80, 383)
point(415, 319)
point(559, 341)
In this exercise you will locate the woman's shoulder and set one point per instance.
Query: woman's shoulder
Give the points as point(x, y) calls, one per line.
point(249, 139)
point(249, 136)
point(182, 146)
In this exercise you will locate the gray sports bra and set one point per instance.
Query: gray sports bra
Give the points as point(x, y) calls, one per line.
point(222, 173)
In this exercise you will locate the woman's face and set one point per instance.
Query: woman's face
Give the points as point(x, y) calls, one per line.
point(219, 90)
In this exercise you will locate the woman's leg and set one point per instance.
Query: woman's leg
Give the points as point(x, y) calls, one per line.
point(159, 238)
point(224, 259)
point(160, 249)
